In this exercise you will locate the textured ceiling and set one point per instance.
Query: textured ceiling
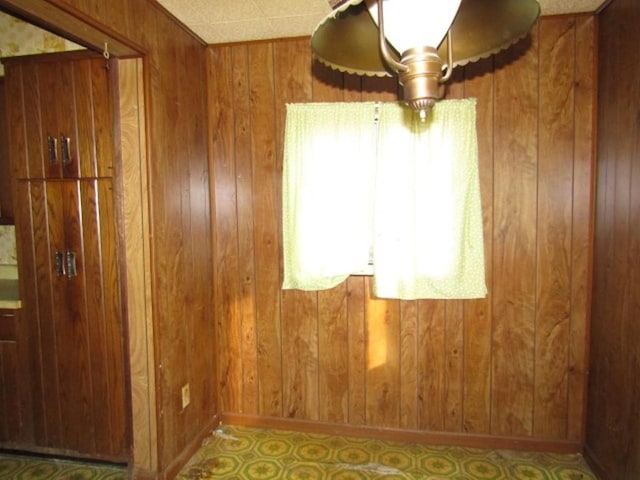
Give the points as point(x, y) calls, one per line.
point(223, 21)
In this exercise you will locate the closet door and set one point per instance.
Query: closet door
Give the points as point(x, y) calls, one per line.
point(60, 115)
point(61, 154)
point(74, 315)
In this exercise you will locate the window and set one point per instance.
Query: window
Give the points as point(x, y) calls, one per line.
point(370, 177)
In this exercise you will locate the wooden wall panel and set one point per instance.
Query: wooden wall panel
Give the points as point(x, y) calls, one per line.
point(179, 258)
point(613, 425)
point(478, 313)
point(582, 229)
point(6, 202)
point(515, 142)
point(553, 262)
point(266, 230)
point(509, 365)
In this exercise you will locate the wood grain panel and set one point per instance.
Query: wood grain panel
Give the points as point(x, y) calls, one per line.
point(245, 218)
point(292, 80)
point(103, 99)
point(175, 127)
point(48, 411)
point(556, 143)
point(431, 366)
point(10, 391)
point(478, 313)
point(357, 348)
point(582, 227)
point(333, 355)
point(409, 365)
point(383, 360)
point(135, 262)
point(6, 200)
point(614, 390)
point(227, 313)
point(477, 367)
point(70, 319)
point(266, 201)
point(514, 239)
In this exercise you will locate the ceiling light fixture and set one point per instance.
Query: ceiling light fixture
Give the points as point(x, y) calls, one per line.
point(406, 37)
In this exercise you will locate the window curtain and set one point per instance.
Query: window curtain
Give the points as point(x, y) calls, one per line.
point(327, 187)
point(362, 176)
point(428, 221)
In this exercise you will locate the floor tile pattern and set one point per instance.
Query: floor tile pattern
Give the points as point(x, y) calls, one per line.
point(19, 467)
point(248, 453)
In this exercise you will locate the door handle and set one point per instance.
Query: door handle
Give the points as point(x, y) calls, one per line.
point(52, 149)
point(65, 147)
point(72, 270)
point(59, 264)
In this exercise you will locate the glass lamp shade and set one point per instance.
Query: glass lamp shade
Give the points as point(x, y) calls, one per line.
point(415, 23)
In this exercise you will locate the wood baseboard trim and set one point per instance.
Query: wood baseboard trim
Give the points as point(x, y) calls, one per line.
point(405, 435)
point(172, 470)
point(594, 463)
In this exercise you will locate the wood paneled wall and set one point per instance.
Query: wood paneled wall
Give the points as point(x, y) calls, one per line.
point(613, 433)
point(171, 90)
point(511, 366)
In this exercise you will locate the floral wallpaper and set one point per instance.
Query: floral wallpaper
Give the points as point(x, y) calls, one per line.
point(8, 245)
point(20, 38)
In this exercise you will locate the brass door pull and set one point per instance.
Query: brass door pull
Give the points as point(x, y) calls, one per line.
point(59, 264)
point(52, 149)
point(72, 271)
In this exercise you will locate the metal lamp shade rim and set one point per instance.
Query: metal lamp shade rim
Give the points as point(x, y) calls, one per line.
point(347, 38)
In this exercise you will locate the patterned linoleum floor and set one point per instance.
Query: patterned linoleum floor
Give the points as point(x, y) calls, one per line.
point(245, 453)
point(256, 454)
point(19, 467)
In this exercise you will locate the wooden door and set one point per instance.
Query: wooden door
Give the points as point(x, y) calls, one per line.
point(72, 306)
point(60, 115)
point(61, 124)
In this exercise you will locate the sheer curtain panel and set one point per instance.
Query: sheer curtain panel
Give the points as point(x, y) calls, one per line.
point(368, 177)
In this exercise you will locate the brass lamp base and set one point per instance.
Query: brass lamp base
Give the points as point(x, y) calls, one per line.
point(421, 79)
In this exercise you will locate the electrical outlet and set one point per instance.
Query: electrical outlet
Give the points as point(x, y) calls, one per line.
point(186, 395)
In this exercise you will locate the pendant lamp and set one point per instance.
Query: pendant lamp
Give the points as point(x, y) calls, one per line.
point(421, 41)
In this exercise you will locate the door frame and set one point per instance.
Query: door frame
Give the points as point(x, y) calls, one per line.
point(132, 205)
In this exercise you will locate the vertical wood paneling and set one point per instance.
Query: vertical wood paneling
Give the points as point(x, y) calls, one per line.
point(409, 365)
point(478, 313)
point(432, 365)
point(514, 239)
point(357, 347)
point(6, 200)
point(454, 324)
point(229, 371)
point(11, 393)
point(245, 214)
point(292, 78)
point(613, 425)
point(555, 182)
point(135, 264)
point(343, 357)
point(582, 227)
point(266, 200)
point(176, 159)
point(333, 355)
point(383, 360)
point(26, 246)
